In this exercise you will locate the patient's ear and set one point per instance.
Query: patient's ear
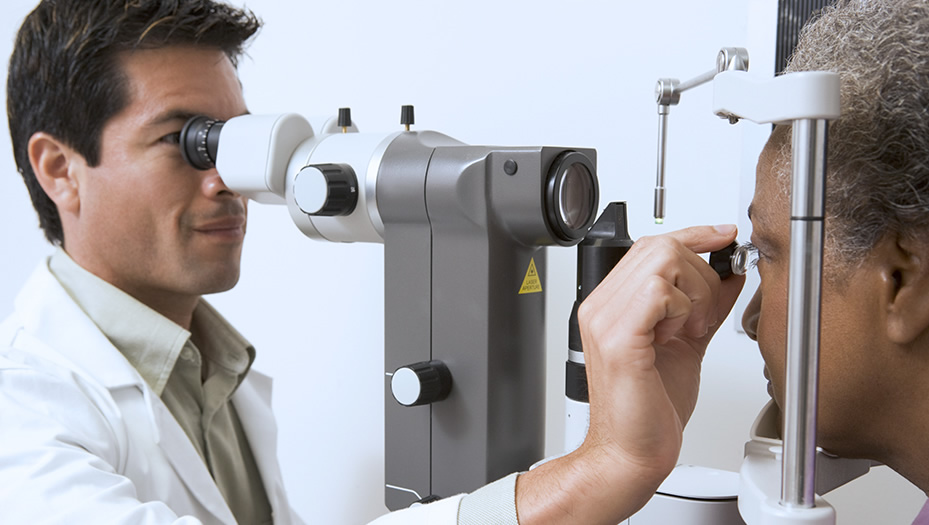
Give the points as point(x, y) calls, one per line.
point(56, 167)
point(904, 269)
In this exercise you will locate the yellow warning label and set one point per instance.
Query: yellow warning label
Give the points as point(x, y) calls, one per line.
point(531, 283)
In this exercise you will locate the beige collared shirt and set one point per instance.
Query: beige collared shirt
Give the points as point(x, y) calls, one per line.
point(194, 372)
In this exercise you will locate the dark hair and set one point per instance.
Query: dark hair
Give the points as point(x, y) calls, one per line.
point(64, 77)
point(878, 180)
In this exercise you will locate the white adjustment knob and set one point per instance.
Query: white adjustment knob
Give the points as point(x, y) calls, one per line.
point(421, 383)
point(326, 189)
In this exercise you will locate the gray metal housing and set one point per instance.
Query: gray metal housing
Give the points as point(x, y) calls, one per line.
point(460, 234)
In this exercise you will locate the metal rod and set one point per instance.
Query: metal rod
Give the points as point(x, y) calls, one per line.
point(663, 111)
point(696, 81)
point(798, 475)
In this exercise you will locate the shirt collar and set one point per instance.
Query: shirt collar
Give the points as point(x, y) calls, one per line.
point(219, 342)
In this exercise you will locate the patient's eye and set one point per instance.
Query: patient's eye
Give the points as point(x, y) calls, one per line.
point(744, 258)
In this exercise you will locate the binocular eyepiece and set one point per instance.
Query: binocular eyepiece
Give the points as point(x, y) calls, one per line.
point(199, 141)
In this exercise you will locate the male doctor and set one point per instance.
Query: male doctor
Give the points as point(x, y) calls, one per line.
point(125, 398)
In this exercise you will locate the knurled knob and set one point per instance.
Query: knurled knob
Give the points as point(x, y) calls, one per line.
point(326, 189)
point(421, 383)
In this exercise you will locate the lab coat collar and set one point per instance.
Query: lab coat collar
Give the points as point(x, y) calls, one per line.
point(44, 307)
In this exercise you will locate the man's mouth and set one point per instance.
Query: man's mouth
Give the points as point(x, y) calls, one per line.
point(230, 227)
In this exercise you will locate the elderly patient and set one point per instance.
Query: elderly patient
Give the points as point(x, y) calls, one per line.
point(874, 371)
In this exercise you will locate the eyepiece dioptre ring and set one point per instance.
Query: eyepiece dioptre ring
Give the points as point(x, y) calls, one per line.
point(199, 141)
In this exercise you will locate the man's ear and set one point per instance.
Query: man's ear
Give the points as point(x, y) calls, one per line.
point(904, 270)
point(56, 167)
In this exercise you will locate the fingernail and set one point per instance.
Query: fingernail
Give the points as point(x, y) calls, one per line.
point(725, 229)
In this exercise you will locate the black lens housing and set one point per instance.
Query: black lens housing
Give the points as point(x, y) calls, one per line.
point(199, 141)
point(571, 195)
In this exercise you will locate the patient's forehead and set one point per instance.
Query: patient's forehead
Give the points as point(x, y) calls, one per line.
point(772, 172)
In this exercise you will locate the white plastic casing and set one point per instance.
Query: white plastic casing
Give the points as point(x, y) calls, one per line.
point(577, 421)
point(363, 152)
point(802, 95)
point(254, 151)
point(760, 478)
point(693, 495)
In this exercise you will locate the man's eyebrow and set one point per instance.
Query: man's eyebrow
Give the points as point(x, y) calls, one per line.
point(169, 116)
point(174, 114)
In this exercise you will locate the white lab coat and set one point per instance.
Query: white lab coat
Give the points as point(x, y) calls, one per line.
point(83, 439)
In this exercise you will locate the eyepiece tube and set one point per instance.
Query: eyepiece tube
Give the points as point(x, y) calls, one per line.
point(199, 141)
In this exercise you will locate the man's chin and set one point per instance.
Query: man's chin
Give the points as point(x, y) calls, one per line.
point(218, 282)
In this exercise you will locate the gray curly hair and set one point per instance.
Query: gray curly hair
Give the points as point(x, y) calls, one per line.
point(878, 178)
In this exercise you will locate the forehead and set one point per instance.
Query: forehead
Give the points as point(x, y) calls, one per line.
point(769, 209)
point(194, 79)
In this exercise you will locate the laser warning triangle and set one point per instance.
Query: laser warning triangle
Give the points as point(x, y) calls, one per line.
point(531, 283)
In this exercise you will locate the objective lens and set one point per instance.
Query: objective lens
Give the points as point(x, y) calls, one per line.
point(735, 259)
point(576, 189)
point(571, 194)
point(744, 258)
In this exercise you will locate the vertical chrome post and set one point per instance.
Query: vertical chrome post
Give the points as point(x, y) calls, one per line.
point(663, 111)
point(807, 207)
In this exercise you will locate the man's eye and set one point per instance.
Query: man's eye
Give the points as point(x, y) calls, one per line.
point(172, 138)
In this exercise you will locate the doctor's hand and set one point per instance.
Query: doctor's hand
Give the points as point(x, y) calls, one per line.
point(645, 330)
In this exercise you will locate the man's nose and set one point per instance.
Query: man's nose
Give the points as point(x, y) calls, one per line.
point(751, 316)
point(213, 185)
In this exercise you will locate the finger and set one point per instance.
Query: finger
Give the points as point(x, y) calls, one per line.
point(678, 314)
point(697, 239)
point(729, 291)
point(669, 259)
point(703, 239)
point(631, 326)
point(690, 274)
point(672, 258)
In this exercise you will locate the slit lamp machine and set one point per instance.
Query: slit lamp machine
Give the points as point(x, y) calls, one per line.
point(465, 230)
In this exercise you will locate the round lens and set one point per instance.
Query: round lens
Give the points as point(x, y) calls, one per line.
point(571, 194)
point(577, 192)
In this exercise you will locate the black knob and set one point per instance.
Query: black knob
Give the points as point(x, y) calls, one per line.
point(326, 190)
point(345, 117)
point(421, 383)
point(406, 116)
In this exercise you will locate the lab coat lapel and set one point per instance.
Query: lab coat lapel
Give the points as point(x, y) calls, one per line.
point(43, 307)
point(252, 401)
point(187, 462)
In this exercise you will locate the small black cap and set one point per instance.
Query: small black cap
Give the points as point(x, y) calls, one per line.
point(406, 115)
point(345, 117)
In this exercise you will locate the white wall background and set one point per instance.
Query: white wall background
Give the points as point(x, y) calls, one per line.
point(485, 72)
